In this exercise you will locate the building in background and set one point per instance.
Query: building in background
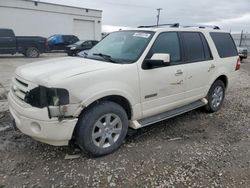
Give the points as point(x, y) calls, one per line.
point(27, 17)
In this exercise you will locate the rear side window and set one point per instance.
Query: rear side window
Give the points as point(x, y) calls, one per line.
point(224, 44)
point(6, 33)
point(196, 47)
point(94, 42)
point(167, 43)
point(66, 38)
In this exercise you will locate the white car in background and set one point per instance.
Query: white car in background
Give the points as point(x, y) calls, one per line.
point(243, 52)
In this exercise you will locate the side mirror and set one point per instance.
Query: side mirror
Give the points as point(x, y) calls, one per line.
point(158, 60)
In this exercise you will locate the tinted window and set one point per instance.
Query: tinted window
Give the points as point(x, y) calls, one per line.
point(194, 50)
point(95, 42)
point(67, 38)
point(207, 51)
point(224, 44)
point(167, 43)
point(88, 43)
point(6, 33)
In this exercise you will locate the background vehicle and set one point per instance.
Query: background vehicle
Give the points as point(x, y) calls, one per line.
point(132, 78)
point(81, 45)
point(26, 45)
point(59, 42)
point(243, 52)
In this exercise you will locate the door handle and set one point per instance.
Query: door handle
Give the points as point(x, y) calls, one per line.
point(179, 72)
point(211, 67)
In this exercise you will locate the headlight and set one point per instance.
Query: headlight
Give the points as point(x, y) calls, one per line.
point(73, 48)
point(41, 97)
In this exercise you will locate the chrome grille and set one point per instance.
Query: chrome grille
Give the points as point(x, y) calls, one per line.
point(19, 88)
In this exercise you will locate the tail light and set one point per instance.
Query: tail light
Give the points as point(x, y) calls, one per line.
point(237, 65)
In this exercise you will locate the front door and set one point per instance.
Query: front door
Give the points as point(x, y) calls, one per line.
point(163, 88)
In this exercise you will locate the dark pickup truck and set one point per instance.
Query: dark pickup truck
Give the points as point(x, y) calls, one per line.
point(28, 46)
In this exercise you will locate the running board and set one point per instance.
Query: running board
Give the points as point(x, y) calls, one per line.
point(169, 114)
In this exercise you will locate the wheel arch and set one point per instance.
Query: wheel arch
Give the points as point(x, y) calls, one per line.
point(119, 99)
point(122, 101)
point(223, 78)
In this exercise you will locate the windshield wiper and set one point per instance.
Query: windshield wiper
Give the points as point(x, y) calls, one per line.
point(105, 57)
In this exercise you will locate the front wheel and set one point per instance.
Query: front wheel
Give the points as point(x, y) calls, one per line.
point(215, 96)
point(102, 128)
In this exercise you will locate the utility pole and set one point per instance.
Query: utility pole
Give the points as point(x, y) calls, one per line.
point(241, 37)
point(158, 15)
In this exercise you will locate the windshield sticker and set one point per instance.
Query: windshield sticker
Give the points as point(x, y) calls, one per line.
point(143, 35)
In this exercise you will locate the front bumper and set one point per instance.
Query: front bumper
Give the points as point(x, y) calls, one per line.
point(35, 122)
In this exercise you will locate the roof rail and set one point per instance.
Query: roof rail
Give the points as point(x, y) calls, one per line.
point(204, 26)
point(160, 25)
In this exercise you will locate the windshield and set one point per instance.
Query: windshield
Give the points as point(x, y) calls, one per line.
point(80, 42)
point(121, 47)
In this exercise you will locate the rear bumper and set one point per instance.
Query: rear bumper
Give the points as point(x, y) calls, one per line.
point(242, 55)
point(35, 123)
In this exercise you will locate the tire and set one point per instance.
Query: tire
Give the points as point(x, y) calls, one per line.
point(70, 53)
point(76, 53)
point(95, 134)
point(215, 96)
point(32, 52)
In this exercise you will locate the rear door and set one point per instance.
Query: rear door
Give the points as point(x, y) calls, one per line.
point(7, 41)
point(200, 64)
point(226, 49)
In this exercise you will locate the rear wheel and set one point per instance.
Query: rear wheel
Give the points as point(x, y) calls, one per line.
point(70, 54)
point(215, 96)
point(76, 53)
point(32, 52)
point(102, 128)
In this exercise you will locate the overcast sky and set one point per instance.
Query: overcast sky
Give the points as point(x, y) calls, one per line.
point(231, 15)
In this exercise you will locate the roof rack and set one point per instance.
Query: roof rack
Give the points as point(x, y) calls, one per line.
point(160, 25)
point(204, 26)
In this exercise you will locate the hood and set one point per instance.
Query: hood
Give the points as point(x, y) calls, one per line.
point(53, 70)
point(72, 45)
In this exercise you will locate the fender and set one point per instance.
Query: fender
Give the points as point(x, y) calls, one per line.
point(135, 105)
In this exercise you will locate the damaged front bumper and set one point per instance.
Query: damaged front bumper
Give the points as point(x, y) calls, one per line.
point(35, 122)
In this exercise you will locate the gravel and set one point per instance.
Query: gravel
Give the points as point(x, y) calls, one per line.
point(195, 149)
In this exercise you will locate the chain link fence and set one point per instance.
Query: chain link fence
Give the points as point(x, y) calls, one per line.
point(242, 40)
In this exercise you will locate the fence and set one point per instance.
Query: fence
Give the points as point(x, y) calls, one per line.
point(242, 40)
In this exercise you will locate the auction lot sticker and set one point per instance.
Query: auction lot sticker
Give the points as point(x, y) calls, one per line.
point(143, 35)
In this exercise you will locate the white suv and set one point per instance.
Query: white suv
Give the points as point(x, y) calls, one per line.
point(131, 79)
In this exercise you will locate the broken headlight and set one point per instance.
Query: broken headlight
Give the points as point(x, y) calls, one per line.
point(41, 97)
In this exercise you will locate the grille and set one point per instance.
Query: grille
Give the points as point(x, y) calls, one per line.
point(19, 88)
